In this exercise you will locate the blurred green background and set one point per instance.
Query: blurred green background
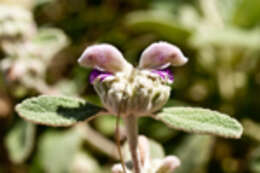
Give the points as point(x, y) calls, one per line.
point(41, 40)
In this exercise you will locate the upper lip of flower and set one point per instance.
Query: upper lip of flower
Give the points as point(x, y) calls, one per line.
point(104, 57)
point(108, 60)
point(161, 55)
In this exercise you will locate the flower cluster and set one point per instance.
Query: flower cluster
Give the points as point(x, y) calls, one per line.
point(126, 90)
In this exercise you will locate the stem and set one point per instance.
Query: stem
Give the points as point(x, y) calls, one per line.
point(132, 135)
point(119, 145)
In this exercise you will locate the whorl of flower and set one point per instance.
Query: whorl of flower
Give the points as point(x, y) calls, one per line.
point(127, 90)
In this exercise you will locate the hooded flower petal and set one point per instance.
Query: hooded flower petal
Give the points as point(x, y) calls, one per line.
point(104, 57)
point(161, 55)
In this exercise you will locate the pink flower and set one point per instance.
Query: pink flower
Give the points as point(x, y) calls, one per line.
point(108, 60)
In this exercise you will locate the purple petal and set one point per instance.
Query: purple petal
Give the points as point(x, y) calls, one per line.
point(98, 73)
point(165, 73)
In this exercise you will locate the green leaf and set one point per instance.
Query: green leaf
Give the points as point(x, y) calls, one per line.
point(56, 110)
point(57, 150)
point(84, 162)
point(198, 120)
point(20, 141)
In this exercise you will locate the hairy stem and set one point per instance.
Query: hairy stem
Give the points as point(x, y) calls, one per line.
point(132, 136)
point(119, 145)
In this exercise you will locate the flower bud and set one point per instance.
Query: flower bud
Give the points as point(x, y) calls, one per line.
point(104, 57)
point(161, 55)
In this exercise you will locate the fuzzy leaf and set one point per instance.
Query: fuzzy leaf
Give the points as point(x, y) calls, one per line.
point(56, 110)
point(58, 149)
point(20, 141)
point(198, 120)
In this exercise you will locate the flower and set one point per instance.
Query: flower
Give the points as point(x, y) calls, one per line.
point(126, 90)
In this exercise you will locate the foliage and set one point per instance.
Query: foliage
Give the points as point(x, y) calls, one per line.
point(56, 111)
point(198, 120)
point(20, 141)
